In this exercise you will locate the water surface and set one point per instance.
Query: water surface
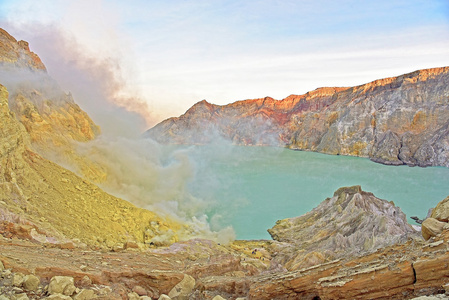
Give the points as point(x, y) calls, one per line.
point(252, 187)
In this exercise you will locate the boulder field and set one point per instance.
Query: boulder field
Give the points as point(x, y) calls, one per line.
point(343, 263)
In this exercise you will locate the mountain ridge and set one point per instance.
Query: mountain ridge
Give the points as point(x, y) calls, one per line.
point(395, 120)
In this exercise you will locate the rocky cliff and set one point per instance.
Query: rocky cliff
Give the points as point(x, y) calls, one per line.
point(54, 122)
point(49, 204)
point(397, 120)
point(40, 199)
point(18, 54)
point(350, 223)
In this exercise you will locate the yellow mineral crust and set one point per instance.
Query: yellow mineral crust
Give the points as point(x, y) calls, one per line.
point(63, 205)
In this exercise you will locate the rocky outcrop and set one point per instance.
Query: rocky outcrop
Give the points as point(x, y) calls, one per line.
point(54, 122)
point(398, 120)
point(441, 211)
point(350, 223)
point(401, 271)
point(17, 53)
point(397, 272)
point(438, 220)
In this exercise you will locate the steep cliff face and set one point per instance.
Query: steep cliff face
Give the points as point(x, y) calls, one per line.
point(52, 119)
point(38, 198)
point(51, 204)
point(398, 120)
point(55, 201)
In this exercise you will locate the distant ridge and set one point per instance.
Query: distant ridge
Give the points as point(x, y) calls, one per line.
point(396, 120)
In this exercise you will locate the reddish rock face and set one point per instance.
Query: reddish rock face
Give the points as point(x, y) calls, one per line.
point(397, 120)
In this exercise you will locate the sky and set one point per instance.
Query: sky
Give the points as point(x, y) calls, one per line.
point(155, 59)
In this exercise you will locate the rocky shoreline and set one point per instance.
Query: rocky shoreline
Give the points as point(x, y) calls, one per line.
point(346, 262)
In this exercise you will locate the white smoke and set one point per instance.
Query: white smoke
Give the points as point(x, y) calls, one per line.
point(138, 170)
point(156, 177)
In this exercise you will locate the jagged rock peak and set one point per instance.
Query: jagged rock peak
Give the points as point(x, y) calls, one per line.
point(17, 53)
point(351, 222)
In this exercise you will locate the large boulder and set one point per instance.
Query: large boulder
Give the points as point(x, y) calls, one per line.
point(31, 282)
point(441, 211)
point(182, 290)
point(61, 285)
point(431, 227)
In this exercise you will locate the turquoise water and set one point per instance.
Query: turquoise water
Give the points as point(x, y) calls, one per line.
point(252, 187)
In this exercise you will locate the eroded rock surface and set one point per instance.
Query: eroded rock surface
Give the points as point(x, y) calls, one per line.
point(397, 120)
point(350, 223)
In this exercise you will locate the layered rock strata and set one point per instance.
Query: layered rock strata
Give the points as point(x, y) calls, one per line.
point(397, 120)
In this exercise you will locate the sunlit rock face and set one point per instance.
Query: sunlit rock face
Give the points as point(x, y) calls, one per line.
point(350, 223)
point(18, 54)
point(40, 200)
point(51, 117)
point(398, 120)
point(48, 113)
point(50, 204)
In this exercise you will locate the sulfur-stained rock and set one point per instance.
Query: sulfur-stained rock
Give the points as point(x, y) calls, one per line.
point(133, 296)
point(38, 119)
point(22, 296)
point(441, 211)
point(104, 291)
point(31, 282)
point(85, 294)
point(182, 290)
point(17, 279)
point(61, 285)
point(431, 227)
point(58, 297)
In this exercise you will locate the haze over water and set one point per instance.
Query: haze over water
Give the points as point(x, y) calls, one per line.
point(253, 187)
